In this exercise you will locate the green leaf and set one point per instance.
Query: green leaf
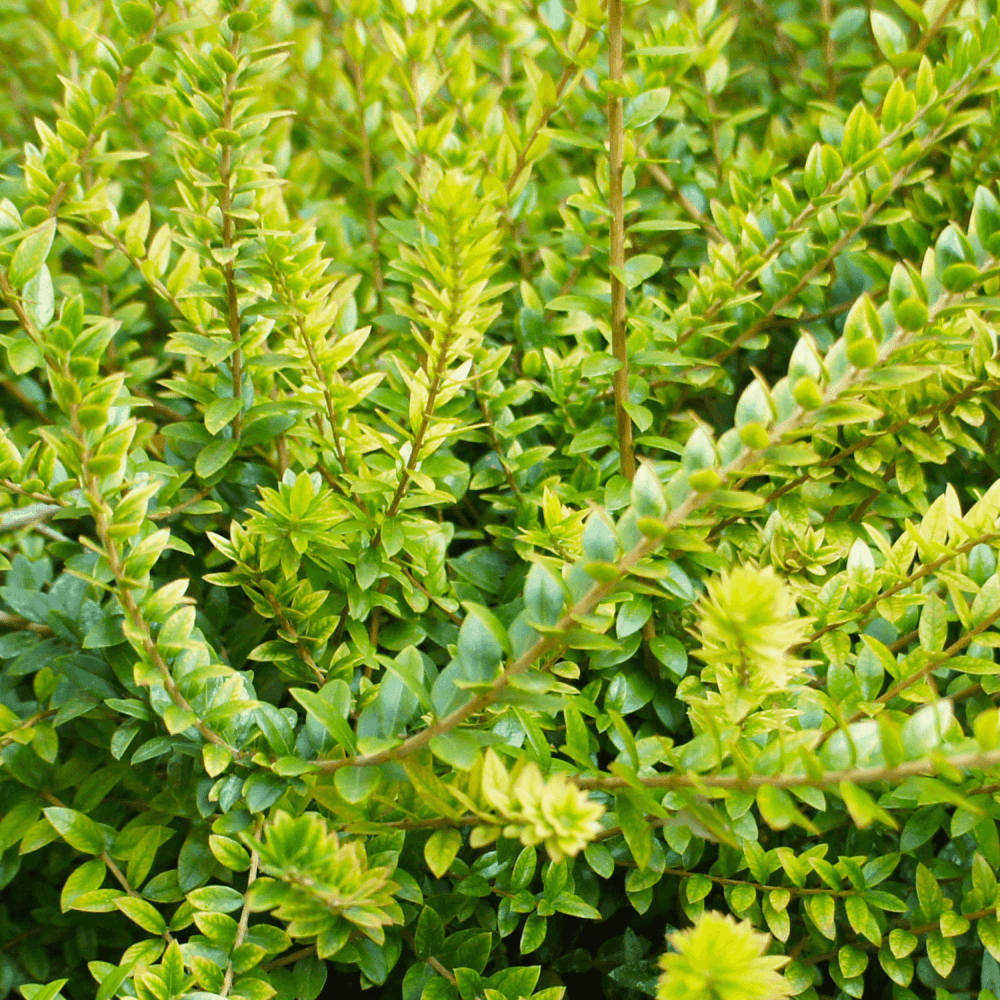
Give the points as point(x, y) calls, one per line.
point(533, 934)
point(430, 933)
point(460, 750)
point(661, 226)
point(113, 981)
point(821, 910)
point(31, 253)
point(39, 298)
point(889, 36)
point(137, 17)
point(441, 849)
point(902, 942)
point(778, 810)
point(355, 784)
point(229, 853)
point(331, 708)
point(214, 457)
point(989, 934)
point(218, 415)
point(23, 355)
point(929, 892)
point(544, 597)
point(647, 107)
point(863, 808)
point(85, 879)
point(310, 976)
point(77, 829)
point(637, 269)
point(600, 859)
point(215, 898)
point(941, 951)
point(144, 914)
point(33, 991)
point(847, 412)
point(638, 833)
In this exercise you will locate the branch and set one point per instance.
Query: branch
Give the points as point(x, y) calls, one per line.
point(7, 738)
point(123, 81)
point(17, 623)
point(100, 509)
point(855, 776)
point(957, 92)
point(441, 970)
point(225, 206)
point(599, 592)
point(924, 570)
point(543, 119)
point(23, 517)
point(241, 930)
point(616, 202)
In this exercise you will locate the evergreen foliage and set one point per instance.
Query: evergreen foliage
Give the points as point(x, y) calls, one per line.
point(499, 500)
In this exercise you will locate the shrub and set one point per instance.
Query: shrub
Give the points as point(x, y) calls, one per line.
point(498, 499)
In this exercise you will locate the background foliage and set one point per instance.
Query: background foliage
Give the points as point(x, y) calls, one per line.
point(489, 485)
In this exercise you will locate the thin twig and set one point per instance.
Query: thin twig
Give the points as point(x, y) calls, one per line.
point(616, 202)
point(441, 970)
point(241, 930)
point(228, 228)
point(937, 25)
point(751, 782)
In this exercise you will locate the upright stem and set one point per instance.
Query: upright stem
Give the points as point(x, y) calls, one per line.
point(616, 163)
point(826, 12)
point(358, 73)
point(228, 231)
point(241, 930)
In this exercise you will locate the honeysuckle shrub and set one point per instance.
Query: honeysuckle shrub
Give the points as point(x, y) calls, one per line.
point(499, 500)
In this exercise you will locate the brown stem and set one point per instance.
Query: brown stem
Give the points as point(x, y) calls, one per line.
point(616, 199)
point(844, 453)
point(663, 179)
point(162, 515)
point(288, 627)
point(751, 782)
point(491, 430)
point(793, 890)
point(241, 930)
point(100, 510)
point(331, 409)
point(433, 388)
point(826, 12)
point(24, 936)
point(228, 227)
point(927, 928)
point(290, 958)
point(956, 647)
point(17, 623)
point(441, 970)
point(154, 282)
point(521, 164)
point(26, 404)
point(818, 268)
point(455, 620)
point(109, 862)
point(8, 737)
point(928, 36)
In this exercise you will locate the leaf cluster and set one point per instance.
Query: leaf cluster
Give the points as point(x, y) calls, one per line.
point(498, 498)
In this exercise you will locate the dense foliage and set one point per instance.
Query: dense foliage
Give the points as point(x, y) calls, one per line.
point(498, 498)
